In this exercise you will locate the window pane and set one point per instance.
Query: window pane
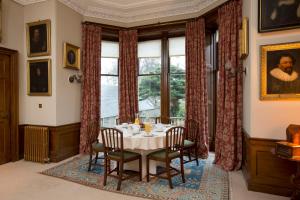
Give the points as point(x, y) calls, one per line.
point(177, 46)
point(150, 48)
point(109, 100)
point(110, 49)
point(177, 64)
point(177, 95)
point(109, 66)
point(149, 96)
point(177, 88)
point(149, 65)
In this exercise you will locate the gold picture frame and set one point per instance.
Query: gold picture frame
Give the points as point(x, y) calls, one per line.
point(244, 39)
point(276, 15)
point(39, 78)
point(280, 72)
point(71, 56)
point(38, 36)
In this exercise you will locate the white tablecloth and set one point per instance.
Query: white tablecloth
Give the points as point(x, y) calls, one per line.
point(142, 141)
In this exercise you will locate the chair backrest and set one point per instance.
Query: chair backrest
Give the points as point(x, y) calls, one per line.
point(192, 130)
point(117, 120)
point(112, 139)
point(174, 139)
point(157, 120)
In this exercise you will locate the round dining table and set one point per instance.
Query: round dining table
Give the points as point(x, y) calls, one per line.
point(143, 143)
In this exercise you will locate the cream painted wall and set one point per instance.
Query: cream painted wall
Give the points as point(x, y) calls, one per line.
point(31, 113)
point(13, 36)
point(68, 94)
point(12, 26)
point(265, 119)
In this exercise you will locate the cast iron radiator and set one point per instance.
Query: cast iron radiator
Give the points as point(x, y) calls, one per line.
point(36, 144)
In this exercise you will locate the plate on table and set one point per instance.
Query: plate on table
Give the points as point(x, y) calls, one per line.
point(148, 134)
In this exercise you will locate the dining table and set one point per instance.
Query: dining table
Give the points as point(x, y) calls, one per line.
point(137, 140)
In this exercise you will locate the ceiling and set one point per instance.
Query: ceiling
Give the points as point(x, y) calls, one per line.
point(132, 11)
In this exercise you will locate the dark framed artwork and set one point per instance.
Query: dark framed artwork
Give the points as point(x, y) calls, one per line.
point(39, 77)
point(280, 71)
point(38, 38)
point(274, 15)
point(71, 56)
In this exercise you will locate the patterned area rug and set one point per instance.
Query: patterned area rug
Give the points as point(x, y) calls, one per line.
point(203, 182)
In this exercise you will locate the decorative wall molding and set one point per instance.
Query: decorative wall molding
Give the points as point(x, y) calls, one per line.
point(28, 2)
point(136, 10)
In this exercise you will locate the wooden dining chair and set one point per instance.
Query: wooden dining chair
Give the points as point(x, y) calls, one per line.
point(118, 120)
point(114, 151)
point(173, 150)
point(190, 145)
point(157, 120)
point(95, 146)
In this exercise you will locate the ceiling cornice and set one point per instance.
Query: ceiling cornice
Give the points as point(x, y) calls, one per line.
point(130, 12)
point(28, 2)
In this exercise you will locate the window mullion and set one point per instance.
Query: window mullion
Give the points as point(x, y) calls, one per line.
point(165, 96)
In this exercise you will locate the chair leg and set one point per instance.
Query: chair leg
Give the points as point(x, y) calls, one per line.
point(96, 158)
point(140, 167)
point(189, 154)
point(106, 164)
point(147, 163)
point(169, 174)
point(196, 156)
point(118, 167)
point(120, 175)
point(182, 169)
point(91, 159)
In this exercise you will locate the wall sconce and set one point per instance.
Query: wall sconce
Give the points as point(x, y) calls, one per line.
point(244, 39)
point(231, 72)
point(75, 77)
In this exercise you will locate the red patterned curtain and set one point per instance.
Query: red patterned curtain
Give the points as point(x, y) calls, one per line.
point(128, 104)
point(230, 88)
point(196, 84)
point(90, 103)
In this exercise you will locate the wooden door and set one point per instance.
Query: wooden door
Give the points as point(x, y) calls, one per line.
point(5, 99)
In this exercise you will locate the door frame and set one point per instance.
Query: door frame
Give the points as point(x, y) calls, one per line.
point(14, 106)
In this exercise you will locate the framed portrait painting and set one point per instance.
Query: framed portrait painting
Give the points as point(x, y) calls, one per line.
point(38, 38)
point(71, 56)
point(277, 15)
point(280, 71)
point(39, 77)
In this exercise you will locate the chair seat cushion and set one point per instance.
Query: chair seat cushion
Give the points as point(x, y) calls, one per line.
point(188, 143)
point(98, 147)
point(127, 155)
point(161, 154)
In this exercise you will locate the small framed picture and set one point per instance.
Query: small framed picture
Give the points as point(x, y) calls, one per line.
point(275, 15)
point(38, 38)
point(39, 77)
point(280, 71)
point(71, 56)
